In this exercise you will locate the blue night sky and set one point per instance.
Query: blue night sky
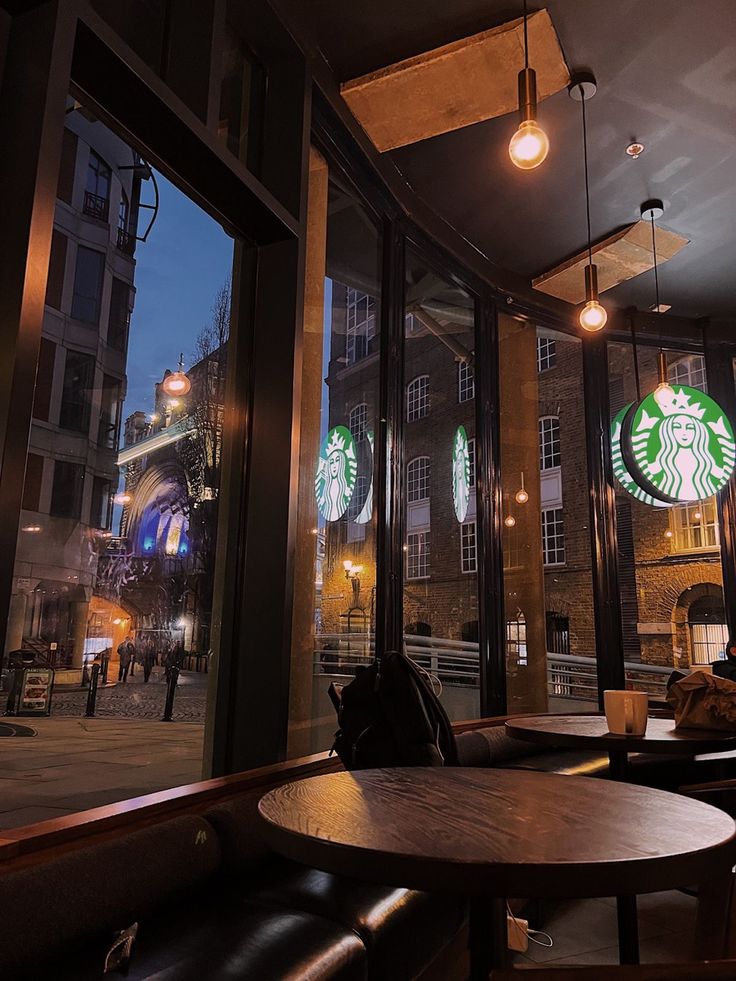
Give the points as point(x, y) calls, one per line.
point(179, 270)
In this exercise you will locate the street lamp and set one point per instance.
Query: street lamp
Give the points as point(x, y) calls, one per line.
point(352, 574)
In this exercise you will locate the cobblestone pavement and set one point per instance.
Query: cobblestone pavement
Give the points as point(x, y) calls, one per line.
point(137, 700)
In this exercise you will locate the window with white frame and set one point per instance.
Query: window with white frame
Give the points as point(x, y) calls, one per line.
point(468, 547)
point(690, 371)
point(546, 353)
point(553, 536)
point(694, 526)
point(358, 422)
point(471, 462)
point(549, 442)
point(417, 398)
point(516, 650)
point(465, 381)
point(360, 324)
point(418, 473)
point(417, 555)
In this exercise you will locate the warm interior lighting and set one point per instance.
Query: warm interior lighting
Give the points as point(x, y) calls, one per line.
point(510, 521)
point(593, 316)
point(668, 534)
point(347, 565)
point(698, 516)
point(664, 392)
point(529, 145)
point(33, 529)
point(521, 495)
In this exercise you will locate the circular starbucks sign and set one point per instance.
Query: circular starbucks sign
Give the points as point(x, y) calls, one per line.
point(678, 445)
point(620, 472)
point(460, 473)
point(337, 468)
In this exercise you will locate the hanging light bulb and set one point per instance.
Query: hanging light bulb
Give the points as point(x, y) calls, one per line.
point(529, 145)
point(698, 516)
point(592, 316)
point(177, 382)
point(510, 521)
point(663, 393)
point(668, 534)
point(521, 495)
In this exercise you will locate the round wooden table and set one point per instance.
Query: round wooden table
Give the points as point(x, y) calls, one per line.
point(591, 732)
point(491, 834)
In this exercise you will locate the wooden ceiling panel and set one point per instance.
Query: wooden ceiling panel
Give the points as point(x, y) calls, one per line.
point(457, 84)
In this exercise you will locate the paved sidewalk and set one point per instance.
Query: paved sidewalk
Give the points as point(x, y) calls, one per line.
point(135, 699)
point(72, 764)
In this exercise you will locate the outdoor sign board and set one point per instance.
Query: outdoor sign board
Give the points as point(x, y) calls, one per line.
point(678, 445)
point(620, 472)
point(337, 469)
point(36, 686)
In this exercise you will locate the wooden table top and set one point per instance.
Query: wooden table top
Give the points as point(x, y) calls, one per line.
point(497, 832)
point(591, 732)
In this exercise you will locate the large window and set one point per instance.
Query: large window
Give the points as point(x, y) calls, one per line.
point(88, 277)
point(669, 560)
point(334, 606)
point(97, 188)
point(545, 526)
point(76, 399)
point(440, 597)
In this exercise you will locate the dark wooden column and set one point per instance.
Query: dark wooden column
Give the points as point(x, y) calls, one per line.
point(32, 106)
point(491, 613)
point(719, 355)
point(606, 597)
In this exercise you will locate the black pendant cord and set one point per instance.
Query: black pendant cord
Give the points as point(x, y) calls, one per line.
point(662, 374)
point(587, 187)
point(526, 39)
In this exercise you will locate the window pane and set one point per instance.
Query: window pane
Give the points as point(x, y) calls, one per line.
point(120, 542)
point(88, 285)
point(550, 631)
point(669, 557)
point(440, 550)
point(335, 579)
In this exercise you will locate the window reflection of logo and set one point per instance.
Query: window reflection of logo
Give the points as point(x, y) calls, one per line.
point(620, 472)
point(460, 473)
point(366, 512)
point(336, 471)
point(680, 446)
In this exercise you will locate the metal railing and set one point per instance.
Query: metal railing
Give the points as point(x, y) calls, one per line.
point(455, 662)
point(96, 206)
point(126, 242)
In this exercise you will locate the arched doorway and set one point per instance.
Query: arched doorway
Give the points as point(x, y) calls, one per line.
point(708, 630)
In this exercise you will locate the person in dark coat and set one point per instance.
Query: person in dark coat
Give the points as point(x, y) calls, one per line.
point(149, 658)
point(727, 668)
point(125, 655)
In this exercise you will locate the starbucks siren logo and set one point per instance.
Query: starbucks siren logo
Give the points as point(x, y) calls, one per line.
point(460, 473)
point(678, 446)
point(337, 468)
point(366, 512)
point(620, 472)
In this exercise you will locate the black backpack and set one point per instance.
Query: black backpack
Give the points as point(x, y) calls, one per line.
point(389, 716)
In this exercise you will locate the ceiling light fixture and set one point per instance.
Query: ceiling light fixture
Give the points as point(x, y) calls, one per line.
point(593, 315)
point(529, 145)
point(521, 495)
point(650, 211)
point(635, 150)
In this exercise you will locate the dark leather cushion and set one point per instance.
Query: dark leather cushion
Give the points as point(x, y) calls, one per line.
point(238, 827)
point(213, 940)
point(492, 746)
point(402, 929)
point(48, 909)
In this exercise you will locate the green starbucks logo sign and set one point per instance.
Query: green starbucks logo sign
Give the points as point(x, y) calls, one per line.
point(678, 445)
point(337, 469)
point(460, 473)
point(620, 472)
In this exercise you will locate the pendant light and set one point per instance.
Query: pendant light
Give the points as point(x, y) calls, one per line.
point(521, 495)
point(592, 316)
point(529, 145)
point(177, 383)
point(650, 211)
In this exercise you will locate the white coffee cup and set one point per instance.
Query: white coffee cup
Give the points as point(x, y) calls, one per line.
point(626, 712)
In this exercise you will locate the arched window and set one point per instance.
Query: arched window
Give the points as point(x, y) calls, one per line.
point(689, 370)
point(358, 421)
point(465, 382)
point(418, 473)
point(708, 630)
point(417, 398)
point(549, 443)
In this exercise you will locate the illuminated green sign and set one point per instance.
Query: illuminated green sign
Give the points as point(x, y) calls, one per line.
point(678, 445)
point(337, 468)
point(366, 512)
point(620, 472)
point(460, 473)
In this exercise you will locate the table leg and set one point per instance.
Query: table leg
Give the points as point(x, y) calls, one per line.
point(715, 907)
point(628, 930)
point(618, 765)
point(488, 937)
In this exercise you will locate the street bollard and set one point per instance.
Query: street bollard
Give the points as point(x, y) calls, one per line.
point(92, 693)
point(170, 692)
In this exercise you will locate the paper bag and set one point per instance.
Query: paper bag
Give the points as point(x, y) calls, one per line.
point(704, 701)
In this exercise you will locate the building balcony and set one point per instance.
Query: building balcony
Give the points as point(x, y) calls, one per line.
point(126, 242)
point(96, 206)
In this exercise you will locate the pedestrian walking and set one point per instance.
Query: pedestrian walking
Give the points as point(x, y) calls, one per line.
point(105, 662)
point(124, 653)
point(149, 659)
point(133, 654)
